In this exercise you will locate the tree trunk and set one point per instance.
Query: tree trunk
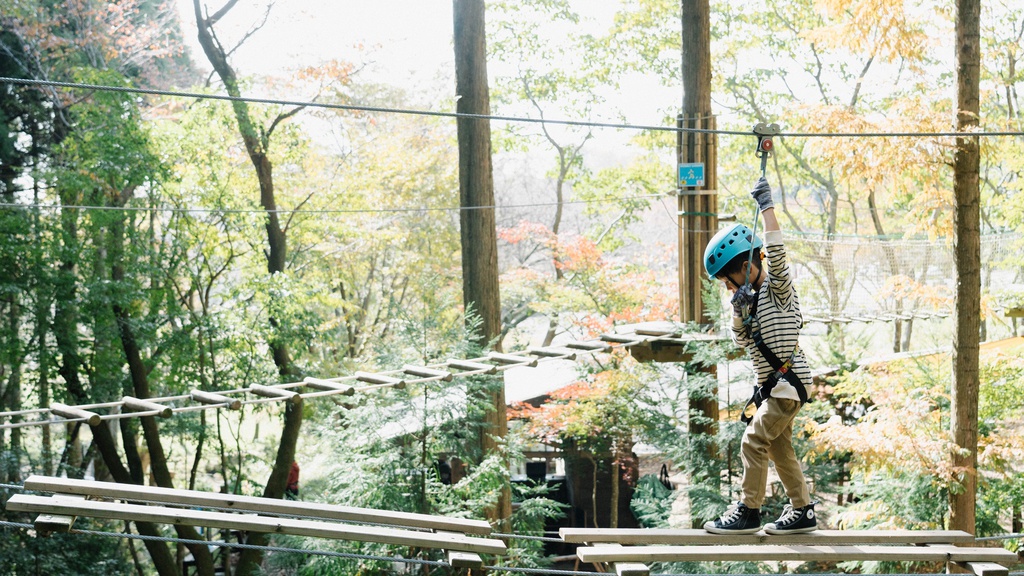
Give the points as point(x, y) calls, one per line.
point(477, 221)
point(140, 386)
point(256, 143)
point(967, 254)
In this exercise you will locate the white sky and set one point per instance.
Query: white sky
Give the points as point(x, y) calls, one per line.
point(409, 43)
point(411, 34)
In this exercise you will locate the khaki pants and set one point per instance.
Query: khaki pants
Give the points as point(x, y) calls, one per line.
point(770, 436)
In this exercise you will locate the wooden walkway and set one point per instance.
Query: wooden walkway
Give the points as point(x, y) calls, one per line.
point(461, 539)
point(628, 552)
point(624, 551)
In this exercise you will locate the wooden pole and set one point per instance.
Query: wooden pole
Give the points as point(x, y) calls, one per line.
point(698, 215)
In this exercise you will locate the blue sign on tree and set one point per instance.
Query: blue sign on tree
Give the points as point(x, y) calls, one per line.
point(691, 175)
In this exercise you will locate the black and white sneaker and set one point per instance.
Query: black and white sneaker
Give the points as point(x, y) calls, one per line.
point(737, 519)
point(794, 521)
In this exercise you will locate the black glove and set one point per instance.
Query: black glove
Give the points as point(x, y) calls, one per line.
point(762, 194)
point(743, 301)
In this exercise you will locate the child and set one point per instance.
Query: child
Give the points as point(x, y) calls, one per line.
point(766, 321)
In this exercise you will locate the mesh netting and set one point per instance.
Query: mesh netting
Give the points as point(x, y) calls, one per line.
point(863, 278)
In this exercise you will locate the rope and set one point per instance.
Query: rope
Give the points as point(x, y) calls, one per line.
point(325, 210)
point(578, 123)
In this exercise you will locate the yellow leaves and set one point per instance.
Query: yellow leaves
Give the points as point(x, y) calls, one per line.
point(332, 71)
point(903, 428)
point(905, 288)
point(884, 29)
point(905, 175)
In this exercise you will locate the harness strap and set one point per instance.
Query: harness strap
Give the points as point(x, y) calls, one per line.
point(782, 370)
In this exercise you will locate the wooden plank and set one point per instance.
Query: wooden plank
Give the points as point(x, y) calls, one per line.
point(984, 568)
point(47, 524)
point(134, 492)
point(591, 346)
point(328, 385)
point(557, 353)
point(631, 569)
point(424, 372)
point(512, 359)
point(371, 378)
point(211, 398)
point(628, 568)
point(138, 405)
point(463, 559)
point(274, 392)
point(472, 367)
point(635, 536)
point(253, 523)
point(72, 413)
point(802, 553)
point(620, 339)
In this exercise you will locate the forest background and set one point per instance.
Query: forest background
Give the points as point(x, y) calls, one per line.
point(143, 253)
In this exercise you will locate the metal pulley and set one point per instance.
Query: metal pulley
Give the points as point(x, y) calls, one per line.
point(765, 145)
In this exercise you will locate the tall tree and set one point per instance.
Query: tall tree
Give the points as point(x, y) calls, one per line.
point(967, 257)
point(257, 143)
point(476, 198)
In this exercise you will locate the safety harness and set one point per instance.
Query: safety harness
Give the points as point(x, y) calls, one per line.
point(782, 369)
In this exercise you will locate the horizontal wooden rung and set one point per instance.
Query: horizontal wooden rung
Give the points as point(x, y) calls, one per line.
point(274, 392)
point(211, 398)
point(328, 385)
point(72, 413)
point(511, 359)
point(657, 332)
point(424, 372)
point(552, 353)
point(371, 378)
point(620, 339)
point(682, 536)
point(591, 346)
point(138, 405)
point(469, 366)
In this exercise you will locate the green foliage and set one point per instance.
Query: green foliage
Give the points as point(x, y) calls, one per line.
point(651, 502)
point(71, 554)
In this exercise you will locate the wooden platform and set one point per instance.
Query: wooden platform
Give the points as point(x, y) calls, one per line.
point(196, 498)
point(459, 538)
point(627, 552)
point(697, 536)
point(59, 505)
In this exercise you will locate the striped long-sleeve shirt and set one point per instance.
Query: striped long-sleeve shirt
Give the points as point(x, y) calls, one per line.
point(778, 318)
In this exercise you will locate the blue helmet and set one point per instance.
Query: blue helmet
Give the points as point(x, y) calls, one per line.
point(726, 245)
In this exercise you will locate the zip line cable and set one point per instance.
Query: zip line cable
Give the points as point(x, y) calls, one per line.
point(16, 205)
point(512, 119)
